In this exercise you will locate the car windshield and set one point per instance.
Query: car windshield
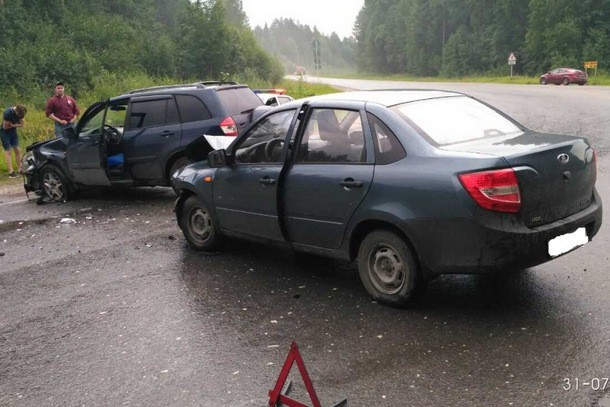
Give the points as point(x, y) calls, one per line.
point(92, 126)
point(456, 119)
point(113, 115)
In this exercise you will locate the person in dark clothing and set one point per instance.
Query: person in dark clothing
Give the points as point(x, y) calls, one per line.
point(62, 109)
point(12, 118)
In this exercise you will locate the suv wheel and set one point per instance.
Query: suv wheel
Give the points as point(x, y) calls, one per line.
point(387, 268)
point(55, 184)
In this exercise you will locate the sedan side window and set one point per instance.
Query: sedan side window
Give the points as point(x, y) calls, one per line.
point(265, 141)
point(332, 136)
point(387, 147)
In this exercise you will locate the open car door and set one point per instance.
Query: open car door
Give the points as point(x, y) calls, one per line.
point(86, 152)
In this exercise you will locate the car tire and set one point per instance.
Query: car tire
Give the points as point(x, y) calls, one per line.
point(55, 184)
point(198, 226)
point(565, 81)
point(542, 81)
point(388, 268)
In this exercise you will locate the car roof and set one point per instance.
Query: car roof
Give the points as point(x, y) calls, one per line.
point(163, 89)
point(387, 97)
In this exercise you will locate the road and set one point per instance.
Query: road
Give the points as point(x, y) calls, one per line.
point(109, 307)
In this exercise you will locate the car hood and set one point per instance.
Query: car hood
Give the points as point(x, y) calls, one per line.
point(39, 144)
point(49, 147)
point(192, 174)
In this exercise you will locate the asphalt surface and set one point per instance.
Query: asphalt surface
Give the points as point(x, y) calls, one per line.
point(102, 303)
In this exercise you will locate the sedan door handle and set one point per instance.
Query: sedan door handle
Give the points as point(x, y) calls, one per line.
point(167, 133)
point(350, 183)
point(267, 181)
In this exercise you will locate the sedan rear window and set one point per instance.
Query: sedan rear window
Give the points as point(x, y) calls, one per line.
point(456, 119)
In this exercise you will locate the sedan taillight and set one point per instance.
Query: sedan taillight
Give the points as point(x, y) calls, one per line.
point(496, 190)
point(228, 127)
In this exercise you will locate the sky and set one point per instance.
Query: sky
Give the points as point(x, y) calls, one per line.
point(327, 15)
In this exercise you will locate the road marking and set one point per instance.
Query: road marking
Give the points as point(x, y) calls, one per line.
point(14, 202)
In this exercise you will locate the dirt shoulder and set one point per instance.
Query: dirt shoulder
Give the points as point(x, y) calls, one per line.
point(11, 187)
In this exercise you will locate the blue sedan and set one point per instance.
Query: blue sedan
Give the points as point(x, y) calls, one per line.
point(411, 184)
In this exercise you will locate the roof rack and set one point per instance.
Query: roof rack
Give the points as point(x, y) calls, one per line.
point(203, 84)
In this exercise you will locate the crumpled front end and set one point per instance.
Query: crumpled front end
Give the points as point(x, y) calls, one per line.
point(30, 171)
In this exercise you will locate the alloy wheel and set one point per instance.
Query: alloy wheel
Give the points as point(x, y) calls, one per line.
point(53, 186)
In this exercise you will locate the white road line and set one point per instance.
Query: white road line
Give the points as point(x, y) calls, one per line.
point(14, 202)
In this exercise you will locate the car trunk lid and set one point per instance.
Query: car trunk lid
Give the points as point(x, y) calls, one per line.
point(556, 173)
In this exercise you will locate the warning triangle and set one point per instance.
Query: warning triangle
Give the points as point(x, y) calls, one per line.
point(276, 396)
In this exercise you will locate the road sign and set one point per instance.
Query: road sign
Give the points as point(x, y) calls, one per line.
point(591, 64)
point(512, 59)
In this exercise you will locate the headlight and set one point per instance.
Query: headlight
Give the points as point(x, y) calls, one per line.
point(27, 162)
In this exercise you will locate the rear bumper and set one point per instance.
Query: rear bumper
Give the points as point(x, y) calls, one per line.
point(491, 242)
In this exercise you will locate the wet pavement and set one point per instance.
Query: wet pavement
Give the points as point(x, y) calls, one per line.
point(111, 307)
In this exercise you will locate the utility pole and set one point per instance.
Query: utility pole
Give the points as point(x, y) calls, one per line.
point(317, 61)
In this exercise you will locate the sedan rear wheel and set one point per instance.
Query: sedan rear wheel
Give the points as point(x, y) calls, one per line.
point(565, 81)
point(387, 268)
point(542, 81)
point(54, 183)
point(198, 226)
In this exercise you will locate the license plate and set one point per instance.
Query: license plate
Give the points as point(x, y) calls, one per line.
point(564, 243)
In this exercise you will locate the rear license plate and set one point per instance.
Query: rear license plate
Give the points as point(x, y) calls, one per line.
point(564, 243)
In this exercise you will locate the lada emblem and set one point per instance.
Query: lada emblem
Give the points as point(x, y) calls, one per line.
point(563, 158)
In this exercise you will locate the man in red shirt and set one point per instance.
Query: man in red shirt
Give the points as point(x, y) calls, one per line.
point(62, 109)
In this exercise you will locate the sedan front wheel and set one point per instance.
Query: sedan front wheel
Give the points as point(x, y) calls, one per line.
point(198, 226)
point(387, 268)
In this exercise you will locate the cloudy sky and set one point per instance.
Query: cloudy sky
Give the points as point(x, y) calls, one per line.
point(328, 15)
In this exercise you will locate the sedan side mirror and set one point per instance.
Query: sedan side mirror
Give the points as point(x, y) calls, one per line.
point(69, 133)
point(217, 158)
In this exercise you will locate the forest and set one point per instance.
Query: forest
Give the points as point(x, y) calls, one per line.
point(107, 46)
point(101, 47)
point(292, 43)
point(455, 38)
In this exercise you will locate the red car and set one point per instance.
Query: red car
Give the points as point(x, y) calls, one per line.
point(564, 76)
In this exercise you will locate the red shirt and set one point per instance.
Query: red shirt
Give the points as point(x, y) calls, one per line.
point(64, 108)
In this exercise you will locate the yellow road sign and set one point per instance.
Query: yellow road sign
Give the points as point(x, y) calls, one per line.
point(590, 64)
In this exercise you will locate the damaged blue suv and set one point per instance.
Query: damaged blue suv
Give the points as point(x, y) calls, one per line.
point(139, 138)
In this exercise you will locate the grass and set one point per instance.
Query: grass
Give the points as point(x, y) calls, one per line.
point(301, 89)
